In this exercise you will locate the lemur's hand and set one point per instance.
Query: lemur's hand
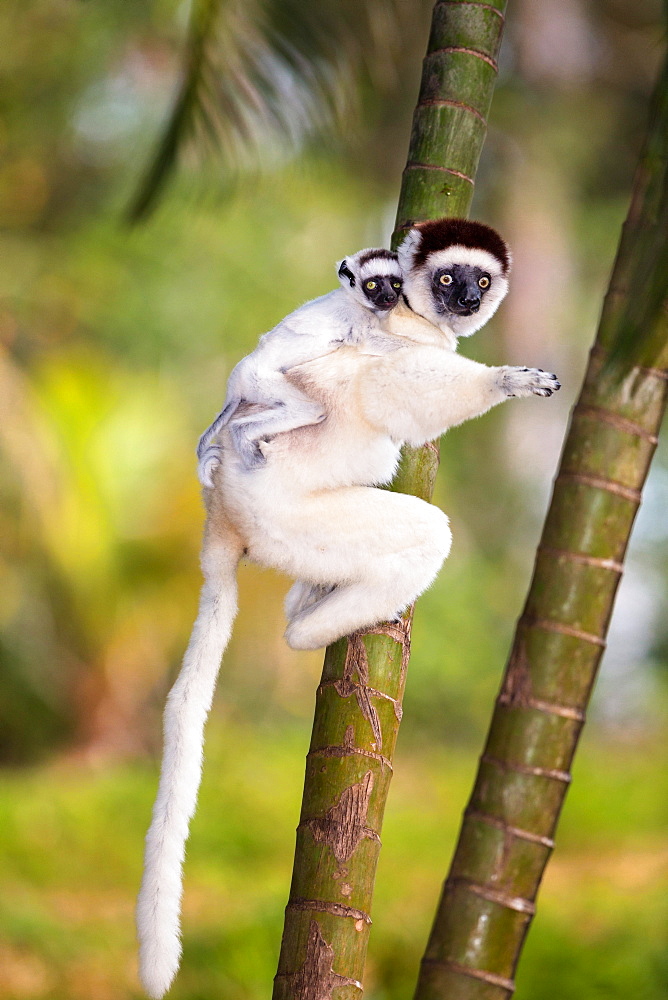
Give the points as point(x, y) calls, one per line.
point(528, 381)
point(211, 458)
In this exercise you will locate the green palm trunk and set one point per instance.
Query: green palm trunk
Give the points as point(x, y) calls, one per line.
point(507, 834)
point(358, 703)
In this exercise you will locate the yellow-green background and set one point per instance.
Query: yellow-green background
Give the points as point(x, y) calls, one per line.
point(115, 344)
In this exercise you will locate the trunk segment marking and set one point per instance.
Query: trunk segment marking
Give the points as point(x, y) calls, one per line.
point(322, 906)
point(599, 483)
point(615, 420)
point(582, 557)
point(550, 708)
point(516, 903)
point(513, 831)
point(447, 49)
point(442, 103)
point(486, 977)
point(536, 772)
point(546, 625)
point(517, 692)
point(348, 748)
point(344, 751)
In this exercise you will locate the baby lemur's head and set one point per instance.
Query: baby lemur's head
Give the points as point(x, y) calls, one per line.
point(372, 277)
point(455, 272)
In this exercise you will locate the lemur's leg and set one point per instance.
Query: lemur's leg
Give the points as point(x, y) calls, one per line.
point(289, 410)
point(248, 431)
point(251, 423)
point(377, 550)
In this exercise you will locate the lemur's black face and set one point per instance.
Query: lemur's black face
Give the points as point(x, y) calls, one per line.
point(459, 289)
point(382, 290)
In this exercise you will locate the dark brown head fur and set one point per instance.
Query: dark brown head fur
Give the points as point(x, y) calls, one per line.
point(442, 233)
point(375, 254)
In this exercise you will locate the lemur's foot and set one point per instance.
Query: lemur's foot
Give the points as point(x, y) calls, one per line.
point(302, 595)
point(211, 458)
point(251, 453)
point(528, 382)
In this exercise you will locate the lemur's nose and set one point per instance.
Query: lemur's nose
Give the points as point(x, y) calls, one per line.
point(469, 301)
point(388, 295)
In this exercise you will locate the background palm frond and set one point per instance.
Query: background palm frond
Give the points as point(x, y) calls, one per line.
point(262, 76)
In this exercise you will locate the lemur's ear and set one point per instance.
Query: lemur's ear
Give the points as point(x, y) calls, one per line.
point(407, 251)
point(345, 272)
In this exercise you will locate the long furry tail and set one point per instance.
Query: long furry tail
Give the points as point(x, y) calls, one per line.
point(188, 704)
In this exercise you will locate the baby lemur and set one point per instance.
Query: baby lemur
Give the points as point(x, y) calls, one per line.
point(260, 401)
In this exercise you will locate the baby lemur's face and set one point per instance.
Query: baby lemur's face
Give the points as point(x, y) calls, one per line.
point(382, 291)
point(460, 288)
point(373, 278)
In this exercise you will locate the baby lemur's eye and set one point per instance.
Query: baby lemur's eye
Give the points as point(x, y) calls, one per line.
point(484, 281)
point(371, 285)
point(396, 284)
point(445, 279)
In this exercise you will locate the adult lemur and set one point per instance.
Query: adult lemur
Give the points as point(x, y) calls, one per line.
point(312, 509)
point(260, 400)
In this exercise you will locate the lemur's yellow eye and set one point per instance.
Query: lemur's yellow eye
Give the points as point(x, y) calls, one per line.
point(396, 284)
point(371, 285)
point(483, 282)
point(446, 279)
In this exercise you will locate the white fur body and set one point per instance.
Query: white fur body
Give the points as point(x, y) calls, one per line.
point(312, 510)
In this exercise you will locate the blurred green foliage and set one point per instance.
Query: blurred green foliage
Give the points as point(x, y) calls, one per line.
point(115, 344)
point(71, 868)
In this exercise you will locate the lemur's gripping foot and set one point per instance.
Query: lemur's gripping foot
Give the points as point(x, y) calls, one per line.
point(211, 458)
point(303, 595)
point(528, 381)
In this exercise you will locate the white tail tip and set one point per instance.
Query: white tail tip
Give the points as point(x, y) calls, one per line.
point(157, 968)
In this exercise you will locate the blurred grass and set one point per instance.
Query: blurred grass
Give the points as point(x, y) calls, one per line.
point(71, 866)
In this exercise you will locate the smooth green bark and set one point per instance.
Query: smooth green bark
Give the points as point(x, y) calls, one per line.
point(507, 834)
point(358, 703)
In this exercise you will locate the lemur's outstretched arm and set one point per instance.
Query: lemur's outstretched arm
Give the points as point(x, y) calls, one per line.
point(417, 394)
